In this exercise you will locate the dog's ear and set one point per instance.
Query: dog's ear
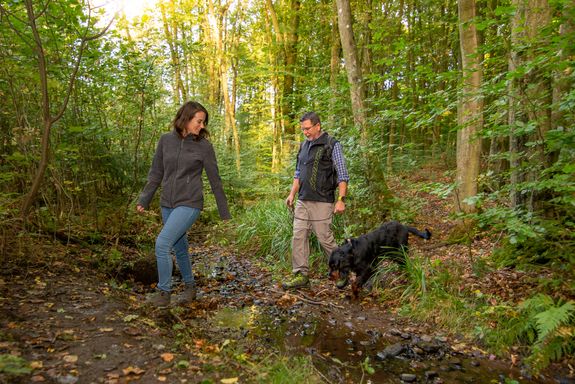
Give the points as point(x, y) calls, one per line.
point(353, 242)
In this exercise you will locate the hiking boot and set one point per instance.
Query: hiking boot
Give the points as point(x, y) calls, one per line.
point(159, 299)
point(188, 295)
point(298, 281)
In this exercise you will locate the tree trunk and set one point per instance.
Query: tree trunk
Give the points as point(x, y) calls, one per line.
point(275, 108)
point(171, 39)
point(393, 126)
point(562, 82)
point(531, 95)
point(515, 142)
point(47, 119)
point(290, 68)
point(471, 108)
point(392, 130)
point(334, 67)
point(352, 65)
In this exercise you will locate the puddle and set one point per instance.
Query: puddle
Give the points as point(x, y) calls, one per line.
point(344, 346)
point(344, 352)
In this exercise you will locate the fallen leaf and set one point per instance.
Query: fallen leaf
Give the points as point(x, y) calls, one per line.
point(132, 371)
point(162, 378)
point(129, 318)
point(36, 364)
point(132, 331)
point(70, 358)
point(514, 359)
point(37, 379)
point(106, 329)
point(286, 300)
point(459, 347)
point(167, 357)
point(12, 325)
point(231, 380)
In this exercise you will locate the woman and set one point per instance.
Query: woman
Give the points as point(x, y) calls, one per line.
point(180, 158)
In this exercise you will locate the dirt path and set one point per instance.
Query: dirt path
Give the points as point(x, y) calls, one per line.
point(76, 328)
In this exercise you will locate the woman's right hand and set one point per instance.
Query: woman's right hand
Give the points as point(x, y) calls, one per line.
point(139, 208)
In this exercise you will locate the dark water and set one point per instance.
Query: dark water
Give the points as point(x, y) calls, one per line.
point(347, 351)
point(344, 354)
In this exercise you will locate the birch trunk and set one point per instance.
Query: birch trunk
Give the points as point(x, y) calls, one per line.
point(352, 65)
point(471, 108)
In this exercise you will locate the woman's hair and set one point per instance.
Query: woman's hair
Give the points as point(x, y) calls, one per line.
point(187, 113)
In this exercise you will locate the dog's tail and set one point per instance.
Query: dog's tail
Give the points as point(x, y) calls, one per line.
point(424, 235)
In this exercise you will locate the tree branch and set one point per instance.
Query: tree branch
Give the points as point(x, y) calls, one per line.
point(84, 40)
point(7, 15)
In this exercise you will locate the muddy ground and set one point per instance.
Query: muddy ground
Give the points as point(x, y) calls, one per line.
point(63, 322)
point(74, 327)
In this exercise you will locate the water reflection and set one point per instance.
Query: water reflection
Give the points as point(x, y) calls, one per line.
point(345, 353)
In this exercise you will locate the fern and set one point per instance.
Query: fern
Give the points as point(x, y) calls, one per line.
point(548, 322)
point(549, 326)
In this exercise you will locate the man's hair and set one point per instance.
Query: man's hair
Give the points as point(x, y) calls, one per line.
point(311, 116)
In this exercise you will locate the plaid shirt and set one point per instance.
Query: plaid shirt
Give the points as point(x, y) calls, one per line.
point(338, 163)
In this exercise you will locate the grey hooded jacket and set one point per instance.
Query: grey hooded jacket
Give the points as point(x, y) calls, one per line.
point(178, 165)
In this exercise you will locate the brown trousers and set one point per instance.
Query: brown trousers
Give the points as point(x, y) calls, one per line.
point(311, 216)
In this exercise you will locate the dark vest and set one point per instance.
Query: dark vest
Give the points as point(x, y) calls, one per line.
point(317, 175)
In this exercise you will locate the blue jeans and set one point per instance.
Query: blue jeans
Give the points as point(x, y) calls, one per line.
point(177, 221)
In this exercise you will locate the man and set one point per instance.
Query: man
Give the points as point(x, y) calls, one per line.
point(320, 170)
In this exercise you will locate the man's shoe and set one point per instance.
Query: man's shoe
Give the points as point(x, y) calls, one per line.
point(299, 281)
point(188, 295)
point(159, 299)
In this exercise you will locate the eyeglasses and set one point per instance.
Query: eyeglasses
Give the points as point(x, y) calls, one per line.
point(308, 128)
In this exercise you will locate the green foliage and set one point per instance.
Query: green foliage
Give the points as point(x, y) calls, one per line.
point(14, 365)
point(367, 367)
point(415, 272)
point(531, 238)
point(265, 231)
point(284, 370)
point(124, 99)
point(442, 190)
point(547, 325)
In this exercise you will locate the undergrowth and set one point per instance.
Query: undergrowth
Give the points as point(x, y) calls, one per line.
point(265, 232)
point(541, 327)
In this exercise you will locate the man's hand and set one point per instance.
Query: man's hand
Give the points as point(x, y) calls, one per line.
point(290, 199)
point(139, 208)
point(339, 207)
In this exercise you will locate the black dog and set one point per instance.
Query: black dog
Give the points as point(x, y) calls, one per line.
point(361, 254)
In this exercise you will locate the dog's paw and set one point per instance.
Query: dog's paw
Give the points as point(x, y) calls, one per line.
point(342, 283)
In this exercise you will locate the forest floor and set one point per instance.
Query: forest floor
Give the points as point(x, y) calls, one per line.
point(63, 322)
